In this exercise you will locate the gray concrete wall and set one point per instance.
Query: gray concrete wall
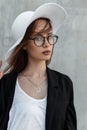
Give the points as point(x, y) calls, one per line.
point(70, 53)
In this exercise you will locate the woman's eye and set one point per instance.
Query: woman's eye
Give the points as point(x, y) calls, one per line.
point(39, 38)
point(50, 37)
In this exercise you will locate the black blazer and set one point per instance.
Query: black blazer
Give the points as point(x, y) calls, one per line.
point(60, 111)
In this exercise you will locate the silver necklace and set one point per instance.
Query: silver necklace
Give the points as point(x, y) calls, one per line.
point(38, 89)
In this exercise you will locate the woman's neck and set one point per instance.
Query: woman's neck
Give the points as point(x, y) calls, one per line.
point(35, 69)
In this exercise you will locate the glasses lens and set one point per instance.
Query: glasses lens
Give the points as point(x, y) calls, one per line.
point(52, 39)
point(39, 40)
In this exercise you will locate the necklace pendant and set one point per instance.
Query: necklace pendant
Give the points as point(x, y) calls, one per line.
point(38, 90)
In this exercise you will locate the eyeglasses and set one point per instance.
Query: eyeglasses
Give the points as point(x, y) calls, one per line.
point(39, 40)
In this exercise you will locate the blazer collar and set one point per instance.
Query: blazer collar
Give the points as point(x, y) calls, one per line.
point(52, 78)
point(53, 87)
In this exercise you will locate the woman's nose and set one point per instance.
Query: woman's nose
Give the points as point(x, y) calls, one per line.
point(46, 43)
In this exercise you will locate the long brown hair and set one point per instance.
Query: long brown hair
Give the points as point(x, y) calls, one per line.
point(18, 59)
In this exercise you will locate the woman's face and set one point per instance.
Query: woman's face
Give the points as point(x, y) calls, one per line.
point(39, 53)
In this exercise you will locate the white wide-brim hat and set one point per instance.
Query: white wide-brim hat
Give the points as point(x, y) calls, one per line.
point(53, 11)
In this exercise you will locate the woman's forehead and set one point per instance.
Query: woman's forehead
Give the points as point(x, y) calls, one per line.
point(41, 26)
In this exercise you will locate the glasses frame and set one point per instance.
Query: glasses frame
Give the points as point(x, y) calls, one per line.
point(45, 38)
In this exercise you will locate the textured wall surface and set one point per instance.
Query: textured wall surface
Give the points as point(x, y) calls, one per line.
point(70, 53)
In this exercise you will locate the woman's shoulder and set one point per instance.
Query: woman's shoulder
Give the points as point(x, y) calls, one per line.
point(63, 79)
point(8, 77)
point(7, 82)
point(60, 74)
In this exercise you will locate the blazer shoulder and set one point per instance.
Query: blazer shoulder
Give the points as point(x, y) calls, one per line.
point(63, 79)
point(8, 76)
point(61, 75)
point(7, 80)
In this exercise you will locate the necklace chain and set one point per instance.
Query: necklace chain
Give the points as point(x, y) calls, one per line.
point(36, 86)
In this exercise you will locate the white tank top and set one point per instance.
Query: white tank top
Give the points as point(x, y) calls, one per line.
point(26, 113)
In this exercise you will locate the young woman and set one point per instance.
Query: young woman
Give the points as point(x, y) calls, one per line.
point(32, 96)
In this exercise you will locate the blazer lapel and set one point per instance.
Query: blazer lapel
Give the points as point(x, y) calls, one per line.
point(51, 97)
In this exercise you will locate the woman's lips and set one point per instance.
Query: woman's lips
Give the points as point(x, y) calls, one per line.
point(46, 52)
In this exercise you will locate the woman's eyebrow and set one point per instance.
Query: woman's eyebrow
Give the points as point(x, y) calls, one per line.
point(41, 33)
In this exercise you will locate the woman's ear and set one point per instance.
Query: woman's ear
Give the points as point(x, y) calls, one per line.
point(24, 48)
point(24, 45)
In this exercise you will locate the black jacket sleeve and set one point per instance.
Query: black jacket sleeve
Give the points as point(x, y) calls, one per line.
point(7, 87)
point(70, 118)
